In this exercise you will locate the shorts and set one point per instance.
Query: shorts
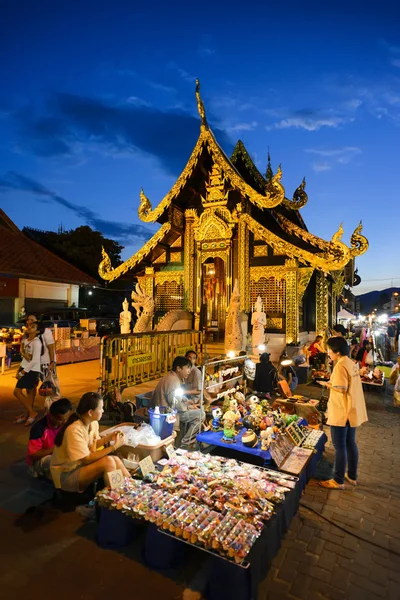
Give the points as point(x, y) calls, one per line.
point(28, 381)
point(69, 480)
point(41, 467)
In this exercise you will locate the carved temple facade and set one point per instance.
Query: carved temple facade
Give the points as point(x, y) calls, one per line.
point(223, 221)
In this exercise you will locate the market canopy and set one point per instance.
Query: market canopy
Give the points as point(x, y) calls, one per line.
point(345, 314)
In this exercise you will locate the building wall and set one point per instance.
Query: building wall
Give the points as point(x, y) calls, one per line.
point(34, 293)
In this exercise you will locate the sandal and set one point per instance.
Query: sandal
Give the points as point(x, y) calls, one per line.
point(331, 484)
point(30, 421)
point(19, 420)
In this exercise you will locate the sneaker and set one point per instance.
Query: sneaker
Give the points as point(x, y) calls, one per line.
point(331, 484)
point(350, 481)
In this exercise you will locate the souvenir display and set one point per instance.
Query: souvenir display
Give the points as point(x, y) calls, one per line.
point(249, 438)
point(296, 460)
point(372, 377)
point(216, 421)
point(217, 504)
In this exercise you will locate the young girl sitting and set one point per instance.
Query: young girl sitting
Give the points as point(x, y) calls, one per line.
point(76, 460)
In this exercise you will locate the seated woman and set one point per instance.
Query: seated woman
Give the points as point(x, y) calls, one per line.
point(77, 460)
point(317, 351)
point(287, 373)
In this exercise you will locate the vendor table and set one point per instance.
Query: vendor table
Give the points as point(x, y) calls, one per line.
point(227, 581)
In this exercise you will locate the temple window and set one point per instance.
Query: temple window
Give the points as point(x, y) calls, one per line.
point(169, 296)
point(272, 292)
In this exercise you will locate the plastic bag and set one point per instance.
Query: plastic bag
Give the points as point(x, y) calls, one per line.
point(144, 435)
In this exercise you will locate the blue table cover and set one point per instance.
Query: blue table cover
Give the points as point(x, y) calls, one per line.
point(214, 438)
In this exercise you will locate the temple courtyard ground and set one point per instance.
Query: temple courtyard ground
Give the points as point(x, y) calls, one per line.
point(341, 544)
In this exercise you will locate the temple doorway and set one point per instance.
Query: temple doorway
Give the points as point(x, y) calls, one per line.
point(214, 299)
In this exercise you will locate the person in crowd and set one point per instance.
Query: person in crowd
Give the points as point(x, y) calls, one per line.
point(362, 354)
point(346, 411)
point(339, 331)
point(80, 456)
point(42, 436)
point(398, 335)
point(354, 348)
point(266, 375)
point(165, 394)
point(28, 375)
point(288, 373)
point(391, 331)
point(317, 350)
point(192, 385)
point(395, 372)
point(48, 358)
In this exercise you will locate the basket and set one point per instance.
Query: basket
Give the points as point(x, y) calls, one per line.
point(163, 421)
point(156, 452)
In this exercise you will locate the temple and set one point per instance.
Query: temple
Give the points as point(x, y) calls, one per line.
point(223, 222)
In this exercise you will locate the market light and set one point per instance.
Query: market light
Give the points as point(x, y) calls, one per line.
point(179, 392)
point(286, 362)
point(382, 318)
point(231, 354)
point(261, 347)
point(90, 292)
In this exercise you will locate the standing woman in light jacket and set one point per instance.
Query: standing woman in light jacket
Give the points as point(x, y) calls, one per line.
point(346, 411)
point(28, 375)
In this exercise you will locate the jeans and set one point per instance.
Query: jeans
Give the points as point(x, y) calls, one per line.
point(191, 421)
point(344, 441)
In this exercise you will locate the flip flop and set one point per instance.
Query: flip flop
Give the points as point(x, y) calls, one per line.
point(30, 421)
point(19, 420)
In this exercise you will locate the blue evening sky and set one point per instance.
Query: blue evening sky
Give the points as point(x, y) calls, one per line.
point(97, 100)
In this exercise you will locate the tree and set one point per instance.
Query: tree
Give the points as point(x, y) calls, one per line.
point(81, 247)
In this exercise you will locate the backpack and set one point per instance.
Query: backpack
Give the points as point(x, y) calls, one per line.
point(127, 410)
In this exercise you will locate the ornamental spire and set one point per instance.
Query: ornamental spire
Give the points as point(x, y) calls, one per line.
point(200, 106)
point(269, 172)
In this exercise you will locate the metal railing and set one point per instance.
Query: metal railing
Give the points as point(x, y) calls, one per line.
point(129, 359)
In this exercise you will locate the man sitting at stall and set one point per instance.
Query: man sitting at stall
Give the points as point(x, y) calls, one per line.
point(169, 392)
point(192, 385)
point(42, 436)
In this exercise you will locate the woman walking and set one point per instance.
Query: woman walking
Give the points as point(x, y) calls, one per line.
point(346, 411)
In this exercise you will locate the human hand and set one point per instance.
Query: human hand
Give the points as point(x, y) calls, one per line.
point(323, 383)
point(119, 440)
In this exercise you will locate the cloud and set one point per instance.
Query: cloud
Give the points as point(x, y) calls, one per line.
point(320, 167)
point(309, 122)
point(183, 74)
point(126, 234)
point(242, 127)
point(205, 51)
point(341, 155)
point(69, 125)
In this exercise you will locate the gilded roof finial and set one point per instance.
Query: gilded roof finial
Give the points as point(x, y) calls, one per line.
point(269, 172)
point(200, 105)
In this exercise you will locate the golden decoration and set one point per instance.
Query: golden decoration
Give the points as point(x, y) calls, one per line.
point(292, 307)
point(260, 250)
point(212, 227)
point(189, 260)
point(200, 105)
point(162, 276)
point(303, 279)
point(274, 323)
point(339, 282)
point(177, 243)
point(109, 274)
point(335, 256)
point(243, 268)
point(162, 259)
point(257, 273)
point(300, 197)
point(212, 253)
point(359, 243)
point(175, 257)
point(322, 304)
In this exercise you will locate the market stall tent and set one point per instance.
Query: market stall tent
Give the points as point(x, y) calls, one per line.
point(345, 315)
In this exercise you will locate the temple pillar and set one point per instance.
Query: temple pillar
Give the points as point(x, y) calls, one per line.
point(189, 261)
point(198, 292)
point(322, 304)
point(149, 281)
point(292, 304)
point(244, 267)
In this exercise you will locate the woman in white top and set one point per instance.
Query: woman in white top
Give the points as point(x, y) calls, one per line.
point(80, 456)
point(28, 375)
point(346, 411)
